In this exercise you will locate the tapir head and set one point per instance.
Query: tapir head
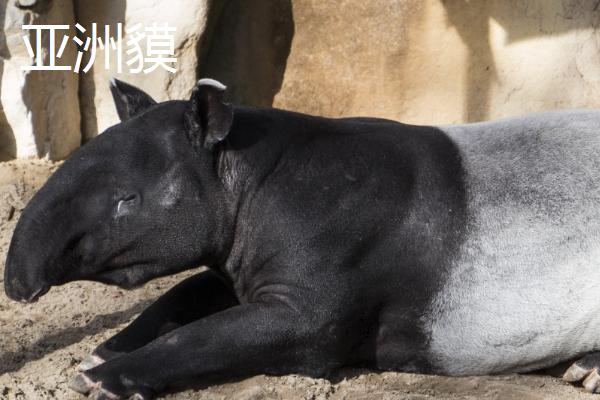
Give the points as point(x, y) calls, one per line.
point(141, 200)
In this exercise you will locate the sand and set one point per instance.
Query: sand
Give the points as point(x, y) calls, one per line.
point(42, 343)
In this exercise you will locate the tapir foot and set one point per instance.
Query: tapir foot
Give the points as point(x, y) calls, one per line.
point(99, 356)
point(586, 371)
point(83, 384)
point(90, 362)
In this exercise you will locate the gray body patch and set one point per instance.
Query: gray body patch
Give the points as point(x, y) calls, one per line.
point(523, 291)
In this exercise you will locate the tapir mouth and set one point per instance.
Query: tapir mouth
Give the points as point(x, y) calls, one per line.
point(36, 295)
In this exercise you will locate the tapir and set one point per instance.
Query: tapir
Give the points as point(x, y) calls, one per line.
point(457, 250)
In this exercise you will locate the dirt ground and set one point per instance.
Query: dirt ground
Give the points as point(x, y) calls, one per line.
point(42, 343)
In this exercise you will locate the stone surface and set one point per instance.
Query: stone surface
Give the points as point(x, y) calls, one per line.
point(249, 47)
point(188, 16)
point(442, 61)
point(39, 114)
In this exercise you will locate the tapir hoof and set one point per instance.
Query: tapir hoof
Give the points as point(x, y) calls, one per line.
point(81, 383)
point(586, 372)
point(90, 362)
point(102, 394)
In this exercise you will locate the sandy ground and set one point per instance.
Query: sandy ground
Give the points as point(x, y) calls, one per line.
point(42, 343)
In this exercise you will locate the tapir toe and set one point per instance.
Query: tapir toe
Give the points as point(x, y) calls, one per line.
point(585, 371)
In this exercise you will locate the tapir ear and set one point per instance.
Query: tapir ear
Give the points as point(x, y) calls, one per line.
point(207, 118)
point(129, 100)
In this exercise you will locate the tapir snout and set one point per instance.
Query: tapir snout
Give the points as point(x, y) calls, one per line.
point(23, 281)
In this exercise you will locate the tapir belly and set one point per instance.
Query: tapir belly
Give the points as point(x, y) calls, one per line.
point(519, 318)
point(523, 291)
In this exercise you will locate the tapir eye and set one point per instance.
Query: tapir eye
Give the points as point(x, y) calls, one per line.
point(128, 197)
point(124, 205)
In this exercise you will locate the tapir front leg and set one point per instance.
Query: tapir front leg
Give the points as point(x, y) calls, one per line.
point(246, 339)
point(194, 298)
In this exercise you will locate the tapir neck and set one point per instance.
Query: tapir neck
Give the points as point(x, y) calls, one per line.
point(255, 146)
point(252, 152)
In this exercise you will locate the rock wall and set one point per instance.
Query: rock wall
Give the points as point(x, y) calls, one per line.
point(419, 61)
point(40, 110)
point(39, 113)
point(448, 61)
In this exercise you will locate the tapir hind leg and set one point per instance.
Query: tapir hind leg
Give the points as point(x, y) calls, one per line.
point(194, 298)
point(587, 371)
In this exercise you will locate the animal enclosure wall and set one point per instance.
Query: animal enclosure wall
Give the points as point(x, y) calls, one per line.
point(418, 61)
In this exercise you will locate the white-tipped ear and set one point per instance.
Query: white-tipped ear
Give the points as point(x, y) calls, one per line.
point(208, 119)
point(128, 99)
point(211, 82)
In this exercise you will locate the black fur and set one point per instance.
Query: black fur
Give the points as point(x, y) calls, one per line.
point(329, 238)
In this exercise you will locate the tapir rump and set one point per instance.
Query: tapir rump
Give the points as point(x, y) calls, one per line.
point(458, 250)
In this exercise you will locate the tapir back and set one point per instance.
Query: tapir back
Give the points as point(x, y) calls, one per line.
point(524, 287)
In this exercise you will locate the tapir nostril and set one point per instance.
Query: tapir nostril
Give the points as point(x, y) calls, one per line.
point(24, 293)
point(37, 294)
point(22, 280)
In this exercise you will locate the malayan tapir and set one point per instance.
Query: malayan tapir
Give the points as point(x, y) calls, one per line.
point(457, 250)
